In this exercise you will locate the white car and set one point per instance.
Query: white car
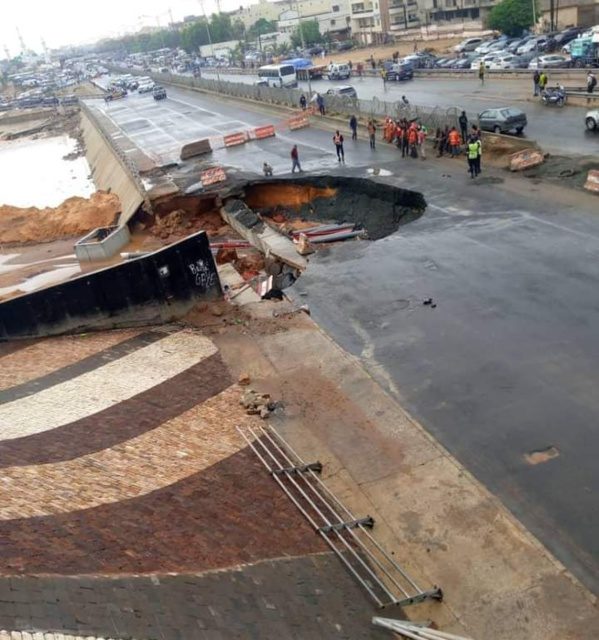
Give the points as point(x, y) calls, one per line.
point(468, 45)
point(146, 87)
point(504, 61)
point(592, 120)
point(551, 61)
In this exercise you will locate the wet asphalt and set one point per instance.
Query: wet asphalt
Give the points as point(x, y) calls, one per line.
point(557, 130)
point(505, 364)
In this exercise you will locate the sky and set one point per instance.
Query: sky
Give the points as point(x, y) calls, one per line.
point(63, 22)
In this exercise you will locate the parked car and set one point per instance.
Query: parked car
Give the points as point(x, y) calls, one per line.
point(29, 103)
point(591, 120)
point(345, 91)
point(338, 72)
point(159, 93)
point(550, 61)
point(469, 44)
point(147, 87)
point(346, 45)
point(400, 71)
point(460, 63)
point(502, 61)
point(71, 100)
point(50, 101)
point(562, 39)
point(502, 120)
point(513, 46)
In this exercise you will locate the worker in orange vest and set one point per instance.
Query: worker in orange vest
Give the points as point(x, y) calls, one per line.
point(413, 140)
point(454, 142)
point(338, 141)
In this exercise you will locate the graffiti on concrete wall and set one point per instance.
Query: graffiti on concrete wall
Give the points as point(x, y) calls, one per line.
point(205, 277)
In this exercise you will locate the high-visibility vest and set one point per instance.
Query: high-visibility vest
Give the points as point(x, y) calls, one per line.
point(472, 150)
point(337, 139)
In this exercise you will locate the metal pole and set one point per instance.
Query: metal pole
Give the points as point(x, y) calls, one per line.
point(340, 519)
point(209, 38)
point(327, 522)
point(309, 518)
point(350, 515)
point(299, 21)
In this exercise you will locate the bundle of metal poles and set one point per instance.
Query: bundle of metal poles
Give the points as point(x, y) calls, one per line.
point(415, 630)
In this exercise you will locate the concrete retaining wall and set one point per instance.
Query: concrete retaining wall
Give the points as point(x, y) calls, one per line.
point(111, 170)
point(159, 287)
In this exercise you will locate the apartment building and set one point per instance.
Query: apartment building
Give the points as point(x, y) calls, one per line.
point(333, 16)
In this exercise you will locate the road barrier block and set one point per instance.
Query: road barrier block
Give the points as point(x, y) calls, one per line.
point(267, 131)
point(592, 183)
point(198, 148)
point(234, 139)
point(298, 122)
point(213, 176)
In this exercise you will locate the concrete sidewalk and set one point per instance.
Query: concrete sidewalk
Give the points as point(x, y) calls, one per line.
point(441, 524)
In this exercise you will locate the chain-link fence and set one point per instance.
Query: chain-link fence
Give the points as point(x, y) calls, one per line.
point(431, 117)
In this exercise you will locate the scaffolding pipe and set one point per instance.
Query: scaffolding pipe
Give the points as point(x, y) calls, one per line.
point(351, 517)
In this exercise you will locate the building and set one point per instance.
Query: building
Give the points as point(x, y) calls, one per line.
point(375, 21)
point(333, 16)
point(569, 13)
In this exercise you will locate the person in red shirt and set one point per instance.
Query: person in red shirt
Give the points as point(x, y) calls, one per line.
point(295, 163)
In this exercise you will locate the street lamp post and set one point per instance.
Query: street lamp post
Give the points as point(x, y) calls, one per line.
point(299, 21)
point(209, 38)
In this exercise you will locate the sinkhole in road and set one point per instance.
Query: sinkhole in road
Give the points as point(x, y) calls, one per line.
point(377, 207)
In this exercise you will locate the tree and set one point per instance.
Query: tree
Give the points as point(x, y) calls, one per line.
point(238, 29)
point(220, 27)
point(310, 31)
point(260, 27)
point(511, 17)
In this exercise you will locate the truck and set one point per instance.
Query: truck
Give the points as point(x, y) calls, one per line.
point(584, 50)
point(305, 70)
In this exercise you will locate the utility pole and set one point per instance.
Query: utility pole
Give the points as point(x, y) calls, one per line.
point(209, 38)
point(299, 22)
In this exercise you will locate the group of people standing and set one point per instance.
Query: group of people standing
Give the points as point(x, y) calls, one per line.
point(409, 137)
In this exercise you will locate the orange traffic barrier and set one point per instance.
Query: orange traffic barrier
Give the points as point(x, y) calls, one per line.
point(234, 139)
point(298, 122)
point(264, 132)
point(212, 176)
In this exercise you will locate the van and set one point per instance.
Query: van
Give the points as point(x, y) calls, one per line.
point(338, 72)
point(469, 44)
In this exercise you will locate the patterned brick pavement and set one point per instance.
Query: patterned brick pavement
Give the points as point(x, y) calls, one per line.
point(307, 598)
point(119, 458)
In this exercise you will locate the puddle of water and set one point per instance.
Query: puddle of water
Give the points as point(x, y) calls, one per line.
point(7, 268)
point(35, 175)
point(379, 172)
point(60, 274)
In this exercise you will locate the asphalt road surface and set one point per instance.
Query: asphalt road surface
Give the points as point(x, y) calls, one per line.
point(506, 364)
point(558, 131)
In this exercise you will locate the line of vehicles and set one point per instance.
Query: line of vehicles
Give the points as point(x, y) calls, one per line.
point(121, 86)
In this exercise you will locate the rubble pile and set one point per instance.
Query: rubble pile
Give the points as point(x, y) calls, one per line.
point(256, 403)
point(74, 217)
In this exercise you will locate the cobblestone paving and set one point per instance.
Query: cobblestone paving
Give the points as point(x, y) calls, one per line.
point(103, 387)
point(195, 440)
point(119, 464)
point(308, 598)
point(37, 359)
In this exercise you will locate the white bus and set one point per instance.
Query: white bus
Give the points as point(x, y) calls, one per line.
point(278, 75)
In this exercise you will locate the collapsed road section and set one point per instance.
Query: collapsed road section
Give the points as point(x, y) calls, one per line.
point(264, 228)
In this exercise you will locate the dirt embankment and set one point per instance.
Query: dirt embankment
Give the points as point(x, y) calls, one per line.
point(74, 217)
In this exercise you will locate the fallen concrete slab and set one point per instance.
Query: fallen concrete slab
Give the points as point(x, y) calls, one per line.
point(526, 159)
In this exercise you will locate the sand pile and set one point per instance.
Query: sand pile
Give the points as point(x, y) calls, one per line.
point(74, 217)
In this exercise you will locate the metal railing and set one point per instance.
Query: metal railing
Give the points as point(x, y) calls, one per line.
point(127, 164)
point(349, 537)
point(431, 117)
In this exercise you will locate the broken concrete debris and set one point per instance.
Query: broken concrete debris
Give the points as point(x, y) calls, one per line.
point(526, 159)
point(244, 379)
point(258, 403)
point(303, 246)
